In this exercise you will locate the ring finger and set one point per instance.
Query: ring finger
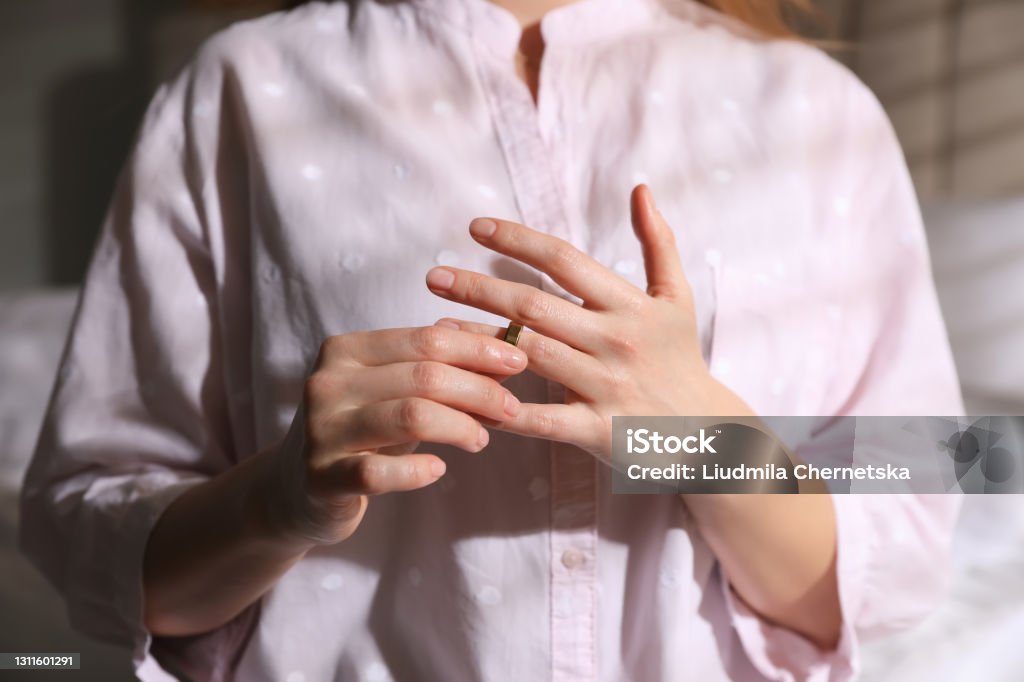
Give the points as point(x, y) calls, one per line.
point(528, 305)
point(410, 344)
point(549, 358)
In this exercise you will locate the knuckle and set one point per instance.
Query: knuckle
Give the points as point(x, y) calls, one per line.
point(486, 350)
point(430, 341)
point(532, 308)
point(494, 396)
point(332, 347)
point(624, 345)
point(411, 474)
point(428, 377)
point(318, 387)
point(510, 234)
point(369, 475)
point(543, 423)
point(318, 431)
point(544, 350)
point(635, 304)
point(474, 288)
point(567, 256)
point(608, 380)
point(413, 416)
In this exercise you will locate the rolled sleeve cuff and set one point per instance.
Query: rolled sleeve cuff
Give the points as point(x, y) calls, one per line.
point(130, 604)
point(144, 500)
point(781, 654)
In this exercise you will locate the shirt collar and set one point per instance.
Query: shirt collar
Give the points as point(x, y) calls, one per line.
point(577, 23)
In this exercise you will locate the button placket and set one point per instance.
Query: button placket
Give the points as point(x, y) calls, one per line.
point(573, 547)
point(533, 168)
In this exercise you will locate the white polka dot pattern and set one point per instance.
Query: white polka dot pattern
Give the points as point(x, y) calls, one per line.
point(312, 172)
point(443, 107)
point(625, 266)
point(488, 595)
point(332, 582)
point(539, 488)
point(446, 257)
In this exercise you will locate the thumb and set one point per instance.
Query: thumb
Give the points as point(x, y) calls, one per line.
point(665, 277)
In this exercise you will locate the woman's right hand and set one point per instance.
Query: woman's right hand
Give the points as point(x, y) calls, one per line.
point(370, 400)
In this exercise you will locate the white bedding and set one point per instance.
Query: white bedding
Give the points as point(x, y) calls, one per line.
point(978, 261)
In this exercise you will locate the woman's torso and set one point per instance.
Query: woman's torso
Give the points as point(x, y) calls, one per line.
point(350, 146)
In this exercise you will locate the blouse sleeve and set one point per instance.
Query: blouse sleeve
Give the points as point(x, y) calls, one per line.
point(138, 412)
point(893, 557)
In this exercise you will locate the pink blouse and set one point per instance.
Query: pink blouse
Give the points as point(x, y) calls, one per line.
point(299, 178)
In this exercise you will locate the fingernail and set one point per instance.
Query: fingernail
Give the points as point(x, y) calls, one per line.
point(482, 227)
point(440, 278)
point(515, 359)
point(511, 405)
point(437, 468)
point(443, 322)
point(483, 437)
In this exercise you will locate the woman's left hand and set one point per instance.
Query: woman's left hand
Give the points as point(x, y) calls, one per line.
point(623, 352)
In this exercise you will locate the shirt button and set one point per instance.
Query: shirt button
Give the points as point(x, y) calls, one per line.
point(572, 558)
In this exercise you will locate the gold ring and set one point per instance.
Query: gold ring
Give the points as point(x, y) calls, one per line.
point(512, 333)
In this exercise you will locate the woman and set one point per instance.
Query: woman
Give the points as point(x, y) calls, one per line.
point(266, 456)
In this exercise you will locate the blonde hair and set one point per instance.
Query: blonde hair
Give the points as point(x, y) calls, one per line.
point(772, 18)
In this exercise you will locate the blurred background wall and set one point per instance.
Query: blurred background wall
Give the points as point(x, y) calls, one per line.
point(79, 77)
point(951, 75)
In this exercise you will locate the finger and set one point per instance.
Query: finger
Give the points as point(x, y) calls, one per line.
point(373, 474)
point(452, 386)
point(574, 270)
point(400, 449)
point(453, 324)
point(399, 421)
point(574, 424)
point(550, 358)
point(528, 305)
point(665, 277)
point(409, 344)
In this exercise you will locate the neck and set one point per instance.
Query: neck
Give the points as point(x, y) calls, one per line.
point(529, 12)
point(531, 43)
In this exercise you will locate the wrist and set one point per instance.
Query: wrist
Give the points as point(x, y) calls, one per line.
point(269, 514)
point(296, 511)
point(724, 401)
